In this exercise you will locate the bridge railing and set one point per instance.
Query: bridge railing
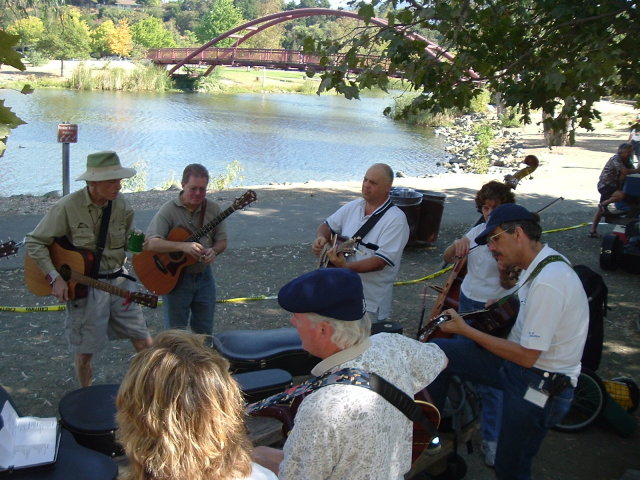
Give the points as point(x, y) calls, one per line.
point(245, 56)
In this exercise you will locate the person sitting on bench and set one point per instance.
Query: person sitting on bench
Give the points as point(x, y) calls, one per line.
point(610, 183)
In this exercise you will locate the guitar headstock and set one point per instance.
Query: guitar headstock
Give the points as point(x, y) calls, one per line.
point(146, 299)
point(429, 328)
point(247, 198)
point(8, 248)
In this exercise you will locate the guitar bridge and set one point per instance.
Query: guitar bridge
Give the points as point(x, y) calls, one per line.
point(159, 264)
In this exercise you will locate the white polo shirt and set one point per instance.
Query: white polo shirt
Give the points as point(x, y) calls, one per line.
point(390, 234)
point(553, 316)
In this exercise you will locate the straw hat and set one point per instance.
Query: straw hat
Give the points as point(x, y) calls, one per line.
point(105, 166)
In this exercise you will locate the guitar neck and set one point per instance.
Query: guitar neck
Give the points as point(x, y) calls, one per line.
point(205, 229)
point(104, 286)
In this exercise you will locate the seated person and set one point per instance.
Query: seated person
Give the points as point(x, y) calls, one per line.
point(611, 182)
point(181, 415)
point(343, 431)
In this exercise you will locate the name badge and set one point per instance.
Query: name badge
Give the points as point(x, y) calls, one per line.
point(536, 397)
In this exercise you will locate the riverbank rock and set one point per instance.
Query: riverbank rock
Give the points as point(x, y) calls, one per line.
point(463, 140)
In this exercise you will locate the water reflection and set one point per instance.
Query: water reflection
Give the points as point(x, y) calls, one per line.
point(276, 138)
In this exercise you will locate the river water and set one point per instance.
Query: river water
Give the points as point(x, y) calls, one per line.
point(275, 138)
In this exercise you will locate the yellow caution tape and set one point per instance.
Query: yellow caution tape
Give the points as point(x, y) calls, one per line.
point(59, 308)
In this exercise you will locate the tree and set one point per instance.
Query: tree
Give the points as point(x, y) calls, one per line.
point(121, 41)
point(67, 36)
point(8, 119)
point(222, 17)
point(29, 30)
point(151, 33)
point(100, 39)
point(558, 56)
point(272, 36)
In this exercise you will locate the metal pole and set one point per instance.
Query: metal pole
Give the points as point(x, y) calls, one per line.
point(65, 169)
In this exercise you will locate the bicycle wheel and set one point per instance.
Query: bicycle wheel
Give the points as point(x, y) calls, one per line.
point(589, 400)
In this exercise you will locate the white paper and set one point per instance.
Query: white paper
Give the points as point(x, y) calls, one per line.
point(26, 441)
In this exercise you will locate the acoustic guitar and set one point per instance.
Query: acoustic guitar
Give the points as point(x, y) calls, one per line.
point(495, 320)
point(346, 247)
point(8, 248)
point(69, 262)
point(160, 272)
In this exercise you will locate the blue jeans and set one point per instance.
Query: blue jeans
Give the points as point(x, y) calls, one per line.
point(524, 425)
point(194, 298)
point(491, 398)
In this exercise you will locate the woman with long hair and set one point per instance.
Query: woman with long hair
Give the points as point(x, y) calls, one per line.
point(181, 415)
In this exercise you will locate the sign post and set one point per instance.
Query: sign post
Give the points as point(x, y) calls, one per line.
point(67, 133)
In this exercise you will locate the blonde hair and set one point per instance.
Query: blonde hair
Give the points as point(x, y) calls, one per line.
point(345, 333)
point(180, 413)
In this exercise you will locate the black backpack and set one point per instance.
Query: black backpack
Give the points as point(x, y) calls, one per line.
point(597, 293)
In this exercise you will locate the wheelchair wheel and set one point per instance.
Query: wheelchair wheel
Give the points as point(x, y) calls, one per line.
point(610, 252)
point(589, 400)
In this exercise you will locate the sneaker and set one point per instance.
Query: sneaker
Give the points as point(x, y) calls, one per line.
point(488, 449)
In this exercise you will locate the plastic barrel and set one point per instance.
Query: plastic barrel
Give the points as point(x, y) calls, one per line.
point(431, 210)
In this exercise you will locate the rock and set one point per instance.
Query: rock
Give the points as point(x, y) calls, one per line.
point(400, 174)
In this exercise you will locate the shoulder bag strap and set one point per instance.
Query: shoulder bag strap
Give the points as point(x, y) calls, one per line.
point(102, 238)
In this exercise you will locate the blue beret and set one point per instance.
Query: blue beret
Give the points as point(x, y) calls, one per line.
point(331, 292)
point(507, 212)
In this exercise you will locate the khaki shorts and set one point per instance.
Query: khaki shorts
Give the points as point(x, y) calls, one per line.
point(100, 316)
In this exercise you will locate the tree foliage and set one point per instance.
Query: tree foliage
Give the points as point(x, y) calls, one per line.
point(272, 36)
point(222, 17)
point(558, 56)
point(8, 56)
point(67, 36)
point(121, 41)
point(100, 39)
point(29, 30)
point(151, 33)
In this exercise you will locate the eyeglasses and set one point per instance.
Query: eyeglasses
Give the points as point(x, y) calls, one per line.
point(492, 238)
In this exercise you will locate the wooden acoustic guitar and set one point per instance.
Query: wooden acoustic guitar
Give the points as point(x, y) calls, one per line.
point(347, 247)
point(160, 272)
point(495, 320)
point(8, 248)
point(69, 262)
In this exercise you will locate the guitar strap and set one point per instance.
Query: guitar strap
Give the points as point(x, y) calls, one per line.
point(373, 219)
point(359, 378)
point(545, 261)
point(102, 238)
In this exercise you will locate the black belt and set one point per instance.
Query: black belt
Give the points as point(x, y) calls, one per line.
point(116, 274)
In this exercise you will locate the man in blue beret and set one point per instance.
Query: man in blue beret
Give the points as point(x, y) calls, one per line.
point(538, 364)
point(346, 432)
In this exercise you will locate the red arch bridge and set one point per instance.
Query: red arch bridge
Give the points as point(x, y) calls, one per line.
point(207, 54)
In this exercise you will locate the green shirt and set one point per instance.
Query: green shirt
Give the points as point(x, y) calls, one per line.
point(76, 217)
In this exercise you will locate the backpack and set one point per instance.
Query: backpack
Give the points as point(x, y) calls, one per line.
point(597, 293)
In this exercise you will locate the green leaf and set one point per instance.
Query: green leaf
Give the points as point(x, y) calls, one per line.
point(7, 54)
point(367, 12)
point(7, 117)
point(27, 89)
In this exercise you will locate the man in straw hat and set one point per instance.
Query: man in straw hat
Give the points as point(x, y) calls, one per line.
point(78, 218)
point(344, 431)
point(538, 364)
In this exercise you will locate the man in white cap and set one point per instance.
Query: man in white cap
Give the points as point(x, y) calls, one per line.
point(344, 431)
point(78, 219)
